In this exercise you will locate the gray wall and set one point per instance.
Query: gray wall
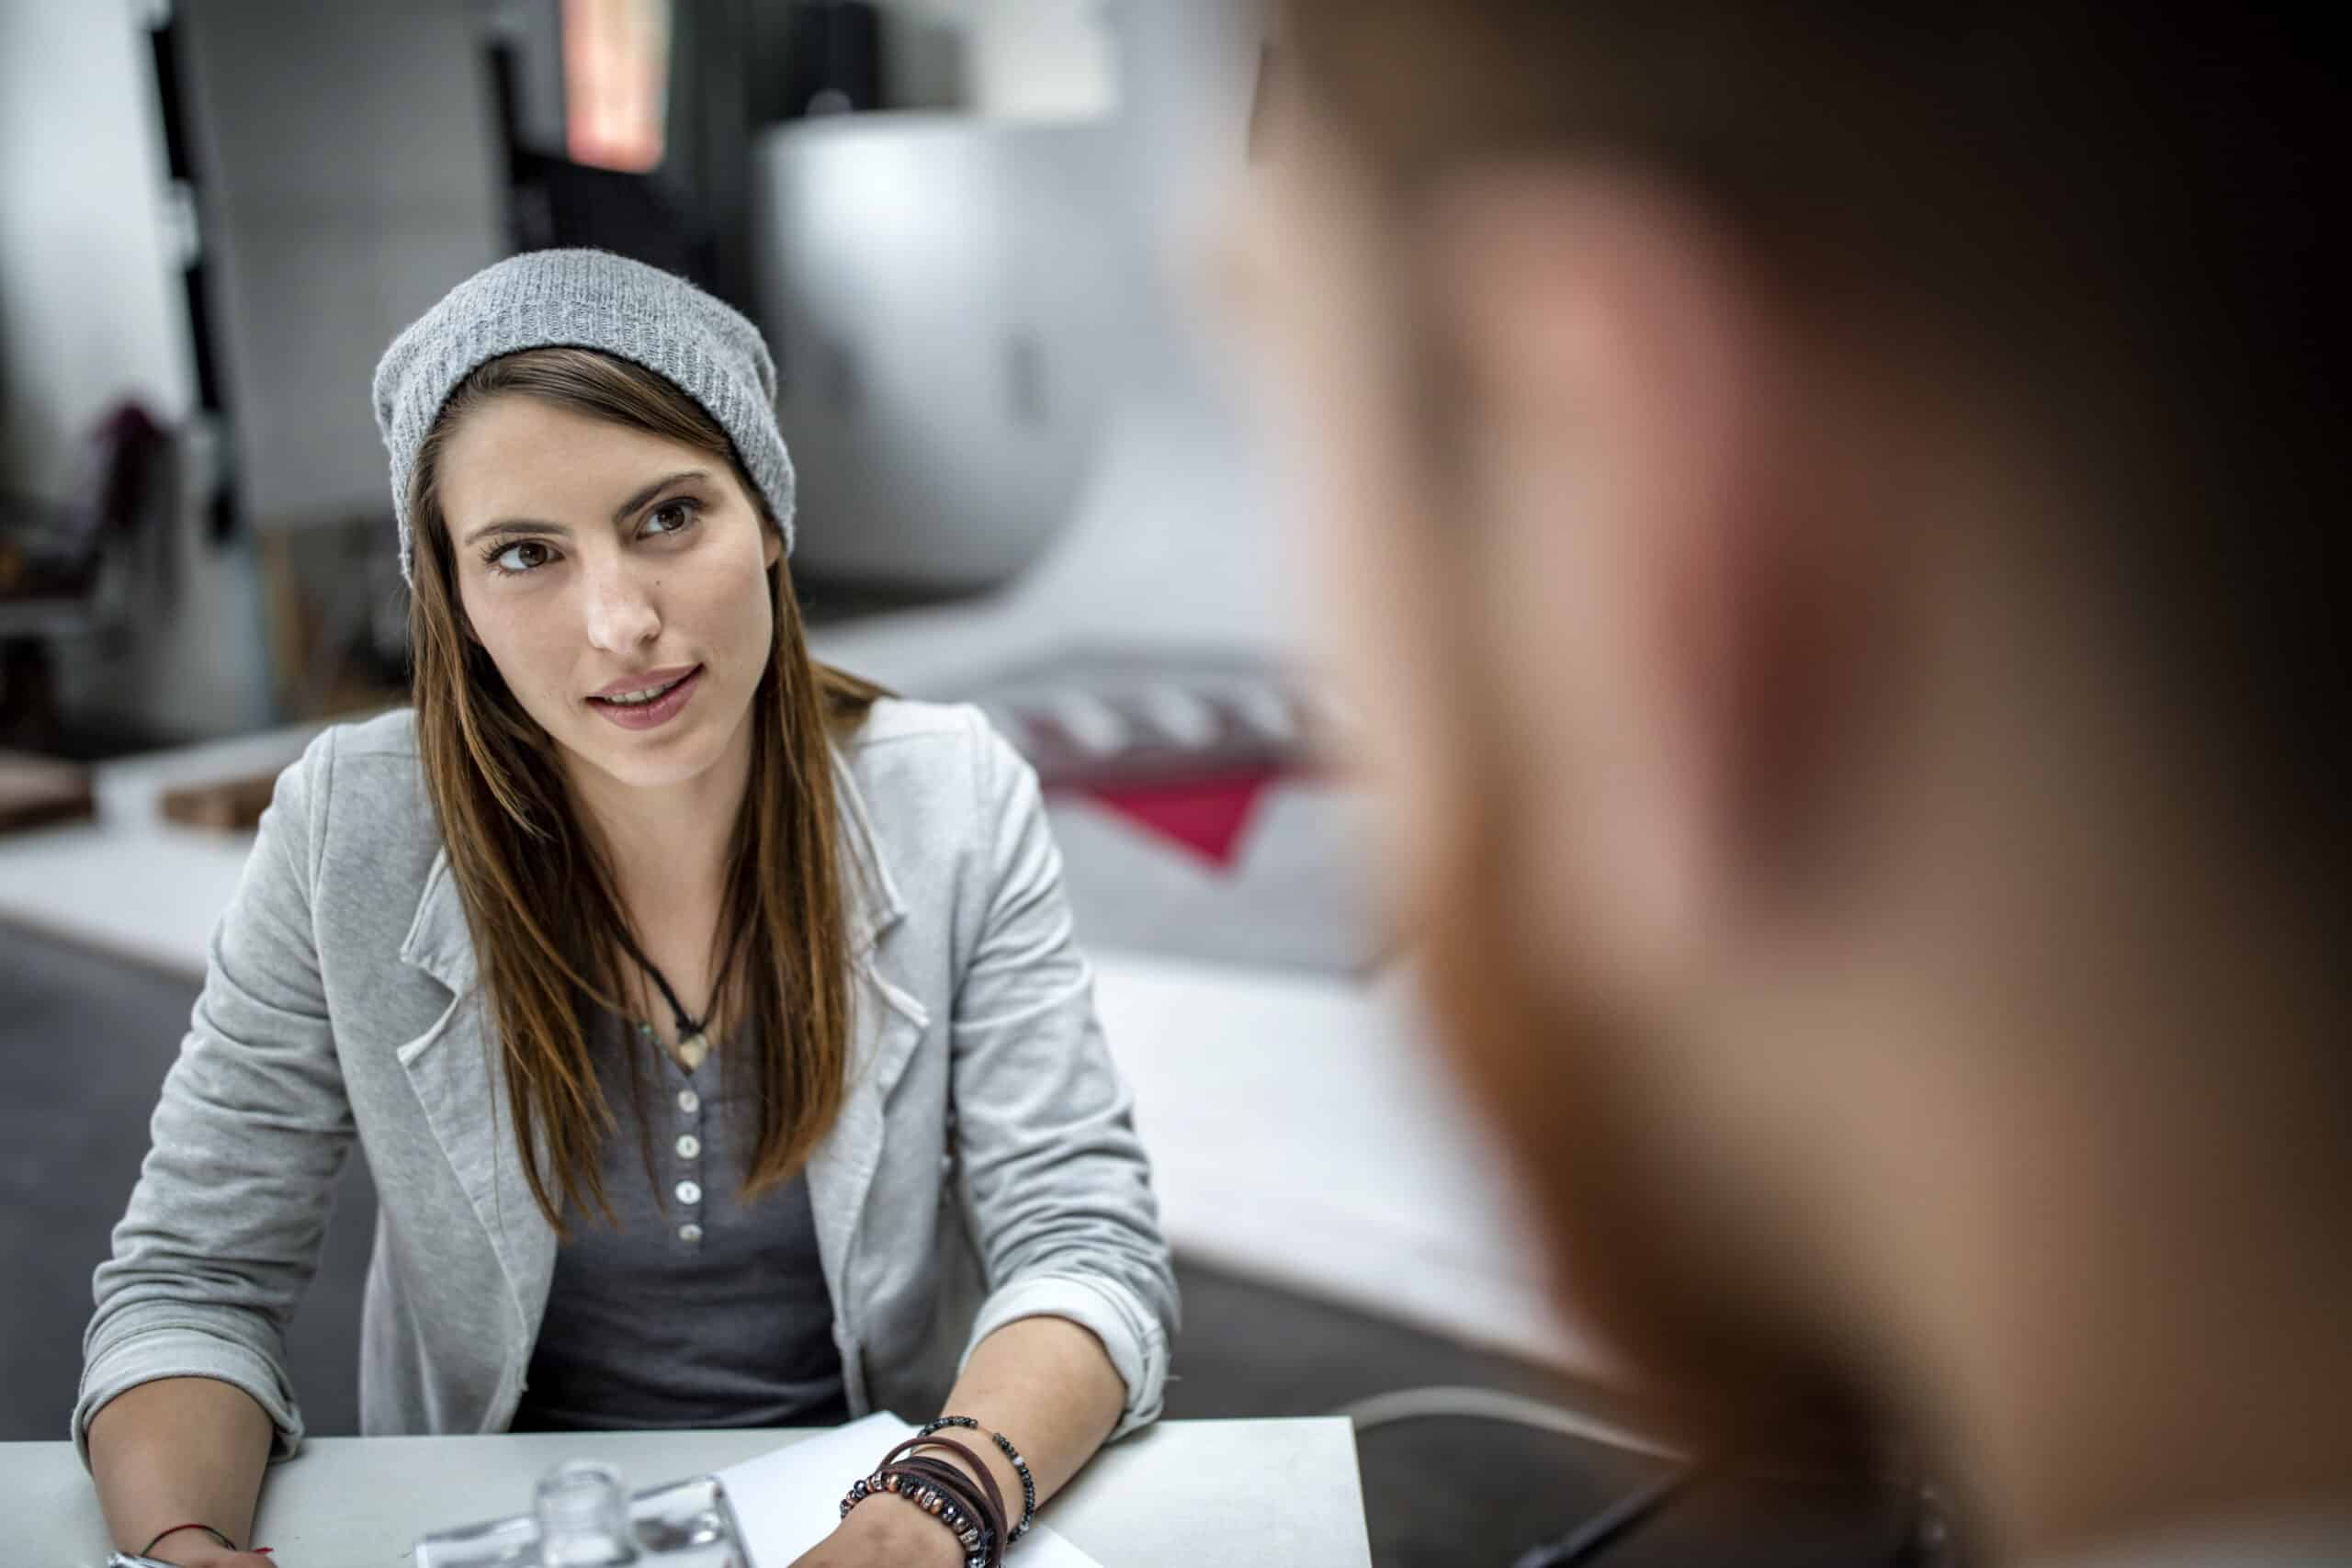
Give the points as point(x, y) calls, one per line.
point(89, 307)
point(533, 28)
point(348, 155)
point(1008, 58)
point(91, 312)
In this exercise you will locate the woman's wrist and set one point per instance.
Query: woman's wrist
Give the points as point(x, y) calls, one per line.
point(901, 1532)
point(971, 1514)
point(191, 1546)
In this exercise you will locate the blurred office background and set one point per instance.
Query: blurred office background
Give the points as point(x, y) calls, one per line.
point(971, 230)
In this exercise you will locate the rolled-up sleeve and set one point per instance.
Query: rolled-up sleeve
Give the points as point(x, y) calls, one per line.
point(1055, 1184)
point(223, 1229)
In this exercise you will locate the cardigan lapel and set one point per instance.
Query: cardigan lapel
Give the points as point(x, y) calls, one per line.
point(887, 1023)
point(452, 1068)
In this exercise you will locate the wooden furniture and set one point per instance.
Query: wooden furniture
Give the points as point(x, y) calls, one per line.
point(36, 791)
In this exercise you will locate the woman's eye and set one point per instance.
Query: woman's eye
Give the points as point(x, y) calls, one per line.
point(524, 555)
point(671, 516)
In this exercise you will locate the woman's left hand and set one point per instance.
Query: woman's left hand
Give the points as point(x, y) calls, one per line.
point(886, 1532)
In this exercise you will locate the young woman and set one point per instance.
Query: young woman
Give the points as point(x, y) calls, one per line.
point(709, 1019)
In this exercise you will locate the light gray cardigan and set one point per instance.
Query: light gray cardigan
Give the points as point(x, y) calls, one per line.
point(985, 1166)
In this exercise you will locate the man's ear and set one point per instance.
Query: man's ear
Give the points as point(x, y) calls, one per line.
point(1633, 456)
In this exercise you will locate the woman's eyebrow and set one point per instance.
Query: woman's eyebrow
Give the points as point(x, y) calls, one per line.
point(620, 514)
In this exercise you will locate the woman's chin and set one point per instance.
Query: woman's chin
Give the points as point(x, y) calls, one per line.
point(650, 759)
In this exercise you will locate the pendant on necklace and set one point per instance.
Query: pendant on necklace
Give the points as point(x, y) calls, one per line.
point(691, 1050)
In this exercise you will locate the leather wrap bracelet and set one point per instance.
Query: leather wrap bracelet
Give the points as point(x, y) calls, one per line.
point(1020, 1468)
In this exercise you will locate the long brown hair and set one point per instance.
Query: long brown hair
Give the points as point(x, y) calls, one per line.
point(540, 896)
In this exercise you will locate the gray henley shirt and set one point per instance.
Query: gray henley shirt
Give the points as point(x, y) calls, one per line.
point(700, 1310)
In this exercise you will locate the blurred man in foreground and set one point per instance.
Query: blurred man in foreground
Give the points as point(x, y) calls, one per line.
point(1834, 518)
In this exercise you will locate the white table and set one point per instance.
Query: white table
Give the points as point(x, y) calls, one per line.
point(131, 883)
point(1180, 1495)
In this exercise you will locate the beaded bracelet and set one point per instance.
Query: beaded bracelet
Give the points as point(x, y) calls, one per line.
point(947, 1494)
point(969, 1534)
point(1020, 1466)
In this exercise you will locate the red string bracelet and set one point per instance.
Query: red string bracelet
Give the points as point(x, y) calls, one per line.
point(193, 1525)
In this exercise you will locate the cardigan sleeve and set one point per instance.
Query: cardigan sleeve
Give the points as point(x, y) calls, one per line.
point(1056, 1183)
point(223, 1229)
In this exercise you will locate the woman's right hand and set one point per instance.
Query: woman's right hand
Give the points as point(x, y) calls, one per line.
point(194, 1549)
point(210, 1555)
point(177, 1450)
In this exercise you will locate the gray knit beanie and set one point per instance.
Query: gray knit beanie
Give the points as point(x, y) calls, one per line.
point(585, 300)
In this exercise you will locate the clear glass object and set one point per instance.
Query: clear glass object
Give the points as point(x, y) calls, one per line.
point(583, 1516)
point(580, 1518)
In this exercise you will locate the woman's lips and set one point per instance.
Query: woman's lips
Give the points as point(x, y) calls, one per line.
point(652, 715)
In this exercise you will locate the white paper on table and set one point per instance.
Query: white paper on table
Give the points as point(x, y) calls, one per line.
point(788, 1499)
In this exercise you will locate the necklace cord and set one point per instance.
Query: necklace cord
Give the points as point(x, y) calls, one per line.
point(687, 1025)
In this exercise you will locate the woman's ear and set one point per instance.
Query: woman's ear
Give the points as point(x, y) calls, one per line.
point(772, 547)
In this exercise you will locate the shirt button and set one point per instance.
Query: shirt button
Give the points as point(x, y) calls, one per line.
point(689, 1193)
point(689, 1146)
point(689, 1101)
point(690, 1234)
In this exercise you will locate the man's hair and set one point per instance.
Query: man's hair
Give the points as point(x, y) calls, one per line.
point(2122, 221)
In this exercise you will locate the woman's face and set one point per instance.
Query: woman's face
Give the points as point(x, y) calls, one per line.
point(597, 563)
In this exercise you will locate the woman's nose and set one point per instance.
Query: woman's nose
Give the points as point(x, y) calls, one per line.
point(621, 613)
